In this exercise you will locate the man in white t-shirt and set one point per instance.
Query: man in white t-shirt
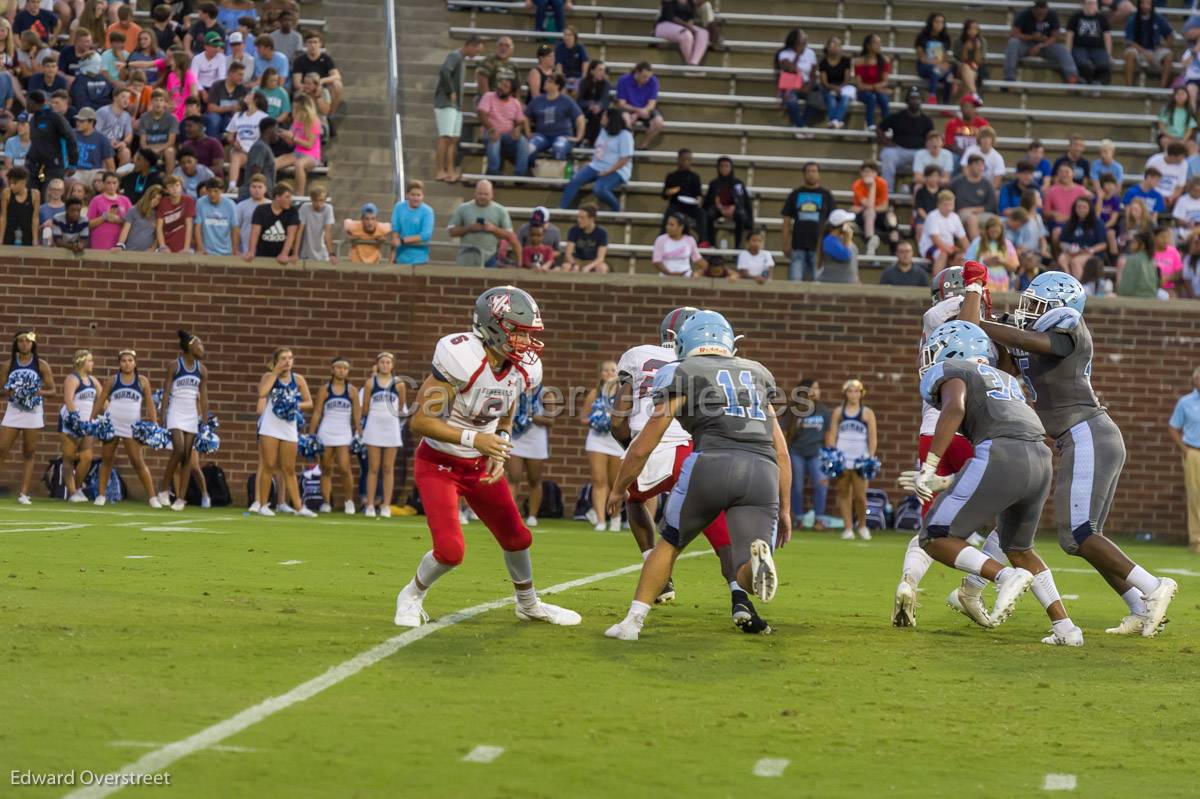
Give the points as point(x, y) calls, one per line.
point(943, 238)
point(1173, 166)
point(1187, 210)
point(754, 262)
point(993, 162)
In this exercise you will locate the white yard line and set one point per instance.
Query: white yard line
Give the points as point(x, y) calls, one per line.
point(1180, 572)
point(34, 527)
point(1071, 597)
point(156, 745)
point(290, 562)
point(770, 767)
point(483, 754)
point(137, 557)
point(1059, 782)
point(164, 756)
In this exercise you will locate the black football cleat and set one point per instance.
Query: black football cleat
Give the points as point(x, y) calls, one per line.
point(746, 618)
point(667, 593)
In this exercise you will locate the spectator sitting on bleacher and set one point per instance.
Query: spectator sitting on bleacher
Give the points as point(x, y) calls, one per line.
point(69, 57)
point(794, 70)
point(193, 174)
point(115, 124)
point(261, 158)
point(312, 61)
point(804, 214)
point(106, 213)
point(1080, 237)
point(115, 57)
point(1148, 43)
point(1186, 213)
point(1035, 32)
point(838, 257)
point(33, 17)
point(538, 255)
point(1081, 168)
point(266, 58)
point(257, 189)
point(239, 54)
point(728, 199)
point(871, 70)
point(1177, 120)
point(971, 56)
point(480, 224)
point(178, 81)
point(676, 24)
point(272, 10)
point(1108, 208)
point(587, 243)
point(996, 252)
point(146, 56)
point(925, 198)
point(242, 132)
point(835, 76)
point(1167, 258)
point(1089, 40)
point(594, 94)
point(210, 65)
point(91, 87)
point(557, 8)
point(175, 217)
point(933, 153)
point(70, 228)
point(304, 143)
point(95, 153)
point(276, 101)
point(974, 195)
point(209, 152)
point(611, 165)
point(496, 67)
point(204, 24)
point(1061, 196)
point(144, 175)
point(1025, 234)
point(558, 123)
point(541, 218)
point(943, 238)
point(871, 207)
point(934, 64)
point(1035, 154)
point(158, 129)
point(963, 130)
point(901, 136)
point(412, 226)
point(570, 57)
point(682, 191)
point(993, 163)
point(505, 129)
point(1172, 165)
point(1106, 164)
point(1137, 273)
point(16, 147)
point(1012, 192)
point(1137, 219)
point(48, 79)
point(286, 38)
point(904, 272)
point(755, 262)
point(637, 99)
point(540, 72)
point(676, 252)
point(224, 100)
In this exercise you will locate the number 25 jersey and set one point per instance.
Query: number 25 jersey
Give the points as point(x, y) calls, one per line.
point(995, 405)
point(638, 366)
point(725, 402)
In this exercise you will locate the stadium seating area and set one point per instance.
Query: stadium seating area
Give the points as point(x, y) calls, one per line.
point(729, 106)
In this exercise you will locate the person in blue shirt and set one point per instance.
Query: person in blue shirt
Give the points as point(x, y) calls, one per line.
point(1147, 189)
point(570, 57)
point(558, 124)
point(412, 226)
point(1148, 42)
point(216, 221)
point(267, 57)
point(1185, 432)
point(1107, 164)
point(1011, 192)
point(610, 167)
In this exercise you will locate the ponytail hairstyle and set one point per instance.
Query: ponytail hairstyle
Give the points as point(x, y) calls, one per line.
point(80, 358)
point(185, 340)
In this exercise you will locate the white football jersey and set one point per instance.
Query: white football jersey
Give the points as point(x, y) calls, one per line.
point(483, 397)
point(638, 366)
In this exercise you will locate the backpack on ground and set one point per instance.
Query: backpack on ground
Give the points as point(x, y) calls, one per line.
point(251, 485)
point(52, 478)
point(908, 514)
point(218, 486)
point(193, 495)
point(552, 501)
point(115, 491)
point(310, 488)
point(583, 503)
point(879, 509)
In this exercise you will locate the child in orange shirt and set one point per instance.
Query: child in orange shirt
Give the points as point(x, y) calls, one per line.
point(871, 207)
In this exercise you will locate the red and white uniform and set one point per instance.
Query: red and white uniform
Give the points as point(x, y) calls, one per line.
point(638, 366)
point(960, 449)
point(444, 472)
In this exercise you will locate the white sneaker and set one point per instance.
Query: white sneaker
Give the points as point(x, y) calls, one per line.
point(969, 605)
point(100, 500)
point(254, 506)
point(531, 521)
point(155, 502)
point(624, 630)
point(409, 611)
point(283, 507)
point(178, 505)
point(904, 608)
point(762, 570)
point(326, 507)
point(78, 496)
point(1130, 625)
point(462, 517)
point(369, 512)
point(600, 527)
point(206, 501)
point(808, 520)
point(872, 245)
point(864, 533)
point(265, 511)
point(1157, 602)
point(551, 614)
point(847, 534)
point(24, 499)
point(385, 512)
point(306, 513)
point(1072, 638)
point(164, 499)
point(1008, 592)
point(591, 516)
point(472, 516)
point(614, 524)
point(348, 507)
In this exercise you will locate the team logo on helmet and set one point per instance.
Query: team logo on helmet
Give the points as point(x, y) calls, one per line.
point(501, 303)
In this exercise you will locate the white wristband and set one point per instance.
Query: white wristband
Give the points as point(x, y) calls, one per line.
point(932, 461)
point(974, 288)
point(467, 439)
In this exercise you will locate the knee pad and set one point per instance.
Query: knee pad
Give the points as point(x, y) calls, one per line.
point(670, 535)
point(1071, 541)
point(518, 540)
point(449, 553)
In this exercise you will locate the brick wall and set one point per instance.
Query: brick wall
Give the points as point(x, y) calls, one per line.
point(1146, 350)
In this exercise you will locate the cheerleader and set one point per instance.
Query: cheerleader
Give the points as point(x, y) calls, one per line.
point(127, 393)
point(338, 414)
point(19, 422)
point(530, 449)
point(603, 452)
point(382, 430)
point(277, 437)
point(79, 397)
point(853, 432)
point(184, 404)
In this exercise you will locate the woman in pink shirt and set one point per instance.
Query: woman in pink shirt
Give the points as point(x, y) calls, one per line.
point(1167, 258)
point(180, 82)
point(106, 214)
point(675, 252)
point(1061, 196)
point(305, 136)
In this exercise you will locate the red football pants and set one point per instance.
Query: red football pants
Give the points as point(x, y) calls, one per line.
point(954, 458)
point(717, 533)
point(441, 479)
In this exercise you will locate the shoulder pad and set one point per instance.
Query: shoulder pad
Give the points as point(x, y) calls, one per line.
point(664, 376)
point(457, 357)
point(1064, 319)
point(931, 381)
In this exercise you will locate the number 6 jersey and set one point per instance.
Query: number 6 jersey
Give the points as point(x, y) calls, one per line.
point(483, 397)
point(995, 405)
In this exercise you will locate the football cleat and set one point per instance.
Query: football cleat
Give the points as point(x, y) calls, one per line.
point(1157, 602)
point(1130, 625)
point(409, 610)
point(667, 593)
point(284, 508)
point(970, 605)
point(625, 630)
point(904, 609)
point(1008, 591)
point(762, 570)
point(551, 614)
point(746, 618)
point(600, 527)
point(1073, 637)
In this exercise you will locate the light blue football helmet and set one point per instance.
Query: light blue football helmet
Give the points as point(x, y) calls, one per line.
point(705, 333)
point(1048, 291)
point(955, 340)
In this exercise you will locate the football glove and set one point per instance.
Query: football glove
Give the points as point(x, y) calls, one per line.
point(974, 274)
point(938, 483)
point(921, 485)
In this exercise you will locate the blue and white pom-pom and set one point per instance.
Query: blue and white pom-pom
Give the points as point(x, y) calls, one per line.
point(833, 462)
point(867, 467)
point(25, 389)
point(285, 403)
point(151, 435)
point(300, 419)
point(213, 421)
point(207, 440)
point(600, 418)
point(75, 427)
point(357, 447)
point(102, 429)
point(309, 446)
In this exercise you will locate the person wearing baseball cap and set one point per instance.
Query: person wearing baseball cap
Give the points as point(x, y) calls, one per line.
point(837, 259)
point(210, 65)
point(962, 130)
point(96, 153)
point(366, 235)
point(540, 218)
point(1037, 31)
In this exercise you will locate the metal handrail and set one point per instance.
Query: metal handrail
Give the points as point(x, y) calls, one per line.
point(394, 102)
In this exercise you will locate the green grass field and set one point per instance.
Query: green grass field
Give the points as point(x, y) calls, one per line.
point(127, 629)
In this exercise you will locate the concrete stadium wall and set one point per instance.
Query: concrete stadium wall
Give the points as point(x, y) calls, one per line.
point(1146, 350)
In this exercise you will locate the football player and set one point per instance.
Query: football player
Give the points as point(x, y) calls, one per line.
point(633, 408)
point(739, 466)
point(1007, 478)
point(464, 411)
point(1052, 347)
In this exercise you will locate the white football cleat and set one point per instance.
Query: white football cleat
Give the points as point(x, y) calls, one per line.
point(409, 611)
point(178, 505)
point(348, 507)
point(1007, 593)
point(531, 521)
point(369, 512)
point(1130, 625)
point(254, 506)
point(624, 630)
point(1074, 637)
point(551, 614)
point(24, 499)
point(306, 513)
point(864, 533)
point(847, 534)
point(385, 512)
point(1157, 602)
point(265, 511)
point(78, 496)
point(591, 516)
point(155, 502)
point(971, 606)
point(614, 524)
point(763, 577)
point(326, 507)
point(904, 609)
point(100, 500)
point(164, 498)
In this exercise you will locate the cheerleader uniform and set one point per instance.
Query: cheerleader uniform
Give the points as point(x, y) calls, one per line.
point(16, 417)
point(382, 425)
point(272, 426)
point(85, 400)
point(852, 436)
point(532, 443)
point(604, 443)
point(336, 428)
point(125, 405)
point(183, 406)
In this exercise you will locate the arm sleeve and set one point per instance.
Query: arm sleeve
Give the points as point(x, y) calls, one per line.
point(834, 247)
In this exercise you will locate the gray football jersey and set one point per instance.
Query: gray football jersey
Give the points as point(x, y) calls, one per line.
point(726, 402)
point(1061, 385)
point(995, 404)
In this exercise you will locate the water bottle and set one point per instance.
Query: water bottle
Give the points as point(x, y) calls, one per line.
point(569, 171)
point(47, 237)
point(17, 238)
